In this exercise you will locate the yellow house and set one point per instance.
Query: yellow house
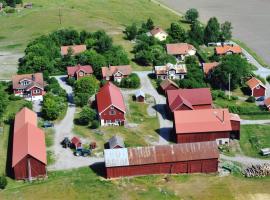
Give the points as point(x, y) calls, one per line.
point(159, 33)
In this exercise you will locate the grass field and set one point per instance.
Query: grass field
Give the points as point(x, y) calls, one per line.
point(83, 183)
point(253, 138)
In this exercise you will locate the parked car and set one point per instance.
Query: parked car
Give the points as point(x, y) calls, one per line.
point(66, 143)
point(48, 124)
point(82, 152)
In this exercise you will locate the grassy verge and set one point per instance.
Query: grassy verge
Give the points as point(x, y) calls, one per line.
point(259, 59)
point(253, 138)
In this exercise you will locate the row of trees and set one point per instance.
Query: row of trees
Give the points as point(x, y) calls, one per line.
point(43, 54)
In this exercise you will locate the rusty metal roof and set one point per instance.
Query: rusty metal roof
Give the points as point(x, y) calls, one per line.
point(161, 154)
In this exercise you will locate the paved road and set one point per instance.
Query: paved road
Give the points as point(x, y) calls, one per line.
point(250, 19)
point(244, 160)
point(64, 158)
point(260, 122)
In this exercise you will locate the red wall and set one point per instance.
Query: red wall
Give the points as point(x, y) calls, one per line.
point(259, 92)
point(21, 169)
point(118, 116)
point(201, 137)
point(170, 87)
point(140, 99)
point(198, 107)
point(197, 166)
point(37, 94)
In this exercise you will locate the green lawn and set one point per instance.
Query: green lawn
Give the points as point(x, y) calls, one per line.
point(253, 138)
point(141, 135)
point(83, 183)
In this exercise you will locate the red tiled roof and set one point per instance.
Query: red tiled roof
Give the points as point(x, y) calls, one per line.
point(235, 117)
point(34, 79)
point(179, 48)
point(28, 139)
point(156, 30)
point(189, 97)
point(164, 84)
point(227, 48)
point(110, 95)
point(76, 49)
point(207, 67)
point(200, 121)
point(254, 82)
point(267, 102)
point(75, 69)
point(76, 141)
point(110, 71)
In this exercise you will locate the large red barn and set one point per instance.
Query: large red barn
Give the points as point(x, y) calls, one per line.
point(206, 125)
point(110, 105)
point(200, 157)
point(29, 150)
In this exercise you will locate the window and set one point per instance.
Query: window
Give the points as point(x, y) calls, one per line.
point(112, 112)
point(25, 82)
point(258, 87)
point(36, 91)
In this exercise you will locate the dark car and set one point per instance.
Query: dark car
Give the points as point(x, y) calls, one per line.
point(48, 124)
point(82, 152)
point(66, 143)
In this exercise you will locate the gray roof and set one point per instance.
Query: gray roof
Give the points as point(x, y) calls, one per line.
point(139, 93)
point(116, 141)
point(116, 157)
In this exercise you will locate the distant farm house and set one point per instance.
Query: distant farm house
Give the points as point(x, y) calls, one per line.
point(28, 5)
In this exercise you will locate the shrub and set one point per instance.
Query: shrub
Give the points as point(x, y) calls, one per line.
point(71, 81)
point(95, 124)
point(9, 10)
point(86, 115)
point(133, 81)
point(268, 78)
point(3, 182)
point(14, 98)
point(251, 99)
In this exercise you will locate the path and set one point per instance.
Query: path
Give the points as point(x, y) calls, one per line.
point(260, 122)
point(64, 158)
point(245, 160)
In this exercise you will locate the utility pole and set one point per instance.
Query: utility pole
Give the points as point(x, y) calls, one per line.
point(229, 86)
point(60, 16)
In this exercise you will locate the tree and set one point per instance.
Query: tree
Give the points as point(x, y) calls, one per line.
point(52, 106)
point(3, 101)
point(116, 56)
point(196, 33)
point(233, 65)
point(88, 85)
point(103, 42)
point(192, 15)
point(177, 33)
point(149, 24)
point(133, 81)
point(3, 182)
point(86, 115)
point(131, 32)
point(226, 31)
point(212, 31)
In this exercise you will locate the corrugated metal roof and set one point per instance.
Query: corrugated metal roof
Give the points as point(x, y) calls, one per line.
point(116, 141)
point(116, 157)
point(139, 93)
point(162, 154)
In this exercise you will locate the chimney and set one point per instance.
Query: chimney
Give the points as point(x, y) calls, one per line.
point(33, 77)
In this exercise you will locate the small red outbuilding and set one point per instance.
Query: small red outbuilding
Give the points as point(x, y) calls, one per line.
point(200, 157)
point(76, 142)
point(257, 88)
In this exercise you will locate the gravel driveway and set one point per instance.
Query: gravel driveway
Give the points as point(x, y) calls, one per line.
point(244, 160)
point(64, 158)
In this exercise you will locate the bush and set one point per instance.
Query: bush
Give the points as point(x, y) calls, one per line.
point(86, 115)
point(3, 182)
point(251, 99)
point(95, 124)
point(133, 81)
point(53, 106)
point(9, 10)
point(71, 81)
point(14, 98)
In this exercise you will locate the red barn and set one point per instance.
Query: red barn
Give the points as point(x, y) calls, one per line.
point(29, 150)
point(79, 71)
point(168, 85)
point(257, 88)
point(110, 105)
point(29, 86)
point(200, 157)
point(206, 125)
point(189, 99)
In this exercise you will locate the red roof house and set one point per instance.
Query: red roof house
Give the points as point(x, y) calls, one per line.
point(228, 49)
point(29, 86)
point(76, 49)
point(159, 33)
point(208, 67)
point(181, 50)
point(257, 88)
point(205, 125)
point(110, 105)
point(79, 71)
point(189, 99)
point(29, 150)
point(116, 73)
point(168, 84)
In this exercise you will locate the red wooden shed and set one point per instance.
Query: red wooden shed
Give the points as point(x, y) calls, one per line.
point(76, 142)
point(201, 157)
point(257, 88)
point(29, 150)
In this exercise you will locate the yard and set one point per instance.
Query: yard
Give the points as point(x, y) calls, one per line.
point(253, 138)
point(83, 183)
point(140, 132)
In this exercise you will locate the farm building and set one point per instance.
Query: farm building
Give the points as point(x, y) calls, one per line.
point(256, 87)
point(189, 99)
point(76, 142)
point(79, 71)
point(181, 50)
point(200, 157)
point(206, 125)
point(158, 33)
point(116, 73)
point(75, 49)
point(170, 71)
point(228, 49)
point(168, 84)
point(209, 67)
point(116, 142)
point(29, 86)
point(110, 105)
point(29, 150)
point(140, 96)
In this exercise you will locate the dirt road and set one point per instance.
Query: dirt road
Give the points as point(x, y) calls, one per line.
point(8, 64)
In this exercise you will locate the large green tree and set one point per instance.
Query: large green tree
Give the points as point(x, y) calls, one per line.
point(212, 31)
point(177, 33)
point(86, 115)
point(192, 15)
point(52, 106)
point(131, 32)
point(196, 33)
point(226, 31)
